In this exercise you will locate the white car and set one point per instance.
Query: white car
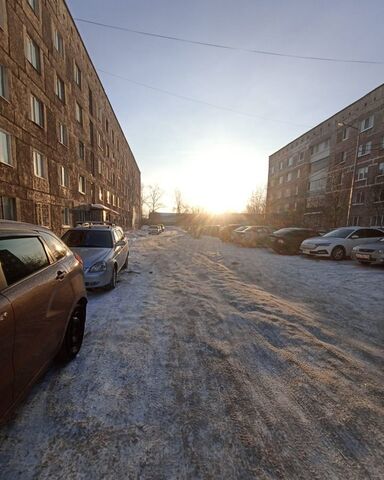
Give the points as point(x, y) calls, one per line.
point(338, 243)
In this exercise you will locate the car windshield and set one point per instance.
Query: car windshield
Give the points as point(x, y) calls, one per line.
point(339, 233)
point(88, 238)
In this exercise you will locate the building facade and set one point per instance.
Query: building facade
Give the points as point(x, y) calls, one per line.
point(63, 155)
point(332, 175)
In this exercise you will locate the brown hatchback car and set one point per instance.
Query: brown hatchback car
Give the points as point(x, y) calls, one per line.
point(42, 307)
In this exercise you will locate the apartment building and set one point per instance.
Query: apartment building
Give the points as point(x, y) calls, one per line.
point(63, 155)
point(333, 174)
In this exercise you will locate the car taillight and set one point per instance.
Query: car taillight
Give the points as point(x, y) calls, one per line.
point(79, 259)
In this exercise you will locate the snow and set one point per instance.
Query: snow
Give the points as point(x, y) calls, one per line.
point(213, 361)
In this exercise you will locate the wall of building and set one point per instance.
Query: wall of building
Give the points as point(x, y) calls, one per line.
point(96, 148)
point(326, 157)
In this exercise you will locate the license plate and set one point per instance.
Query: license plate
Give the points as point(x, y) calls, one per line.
point(363, 256)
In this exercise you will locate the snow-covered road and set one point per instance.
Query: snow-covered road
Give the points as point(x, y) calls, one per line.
point(213, 361)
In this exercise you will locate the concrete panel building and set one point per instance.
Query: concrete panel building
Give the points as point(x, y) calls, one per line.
point(332, 175)
point(63, 155)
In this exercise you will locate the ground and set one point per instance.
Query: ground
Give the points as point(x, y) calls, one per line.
point(213, 361)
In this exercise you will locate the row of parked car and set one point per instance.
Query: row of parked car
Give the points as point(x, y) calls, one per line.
point(364, 244)
point(43, 299)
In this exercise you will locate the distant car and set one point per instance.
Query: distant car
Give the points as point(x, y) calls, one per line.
point(42, 307)
point(338, 243)
point(288, 240)
point(226, 230)
point(236, 235)
point(162, 228)
point(104, 250)
point(255, 236)
point(154, 230)
point(370, 252)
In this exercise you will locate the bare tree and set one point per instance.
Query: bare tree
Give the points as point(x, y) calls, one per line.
point(179, 204)
point(257, 202)
point(152, 197)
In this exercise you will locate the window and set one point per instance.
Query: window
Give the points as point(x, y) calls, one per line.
point(359, 197)
point(281, 179)
point(43, 214)
point(39, 164)
point(298, 173)
point(81, 150)
point(21, 257)
point(355, 220)
point(379, 196)
point(81, 184)
point(3, 82)
point(58, 42)
point(91, 132)
point(289, 177)
point(345, 134)
point(108, 196)
point(377, 220)
point(90, 101)
point(99, 167)
point(365, 149)
point(78, 113)
point(33, 54)
point(362, 173)
point(100, 194)
point(5, 148)
point(320, 147)
point(287, 192)
point(57, 248)
point(381, 168)
point(7, 208)
point(290, 161)
point(366, 124)
point(272, 170)
point(63, 134)
point(301, 156)
point(99, 141)
point(66, 217)
point(37, 111)
point(60, 89)
point(34, 4)
point(77, 75)
point(63, 177)
point(281, 165)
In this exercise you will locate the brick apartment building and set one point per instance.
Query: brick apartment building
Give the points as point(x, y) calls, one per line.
point(336, 167)
point(63, 155)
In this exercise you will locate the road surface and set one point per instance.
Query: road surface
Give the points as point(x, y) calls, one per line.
point(209, 361)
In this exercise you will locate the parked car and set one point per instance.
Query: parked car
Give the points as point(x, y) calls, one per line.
point(42, 307)
point(161, 226)
point(226, 230)
point(288, 240)
point(236, 234)
point(255, 236)
point(154, 230)
point(337, 244)
point(104, 250)
point(369, 253)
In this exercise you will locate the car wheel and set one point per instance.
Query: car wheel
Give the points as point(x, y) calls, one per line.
point(113, 282)
point(338, 253)
point(125, 265)
point(74, 334)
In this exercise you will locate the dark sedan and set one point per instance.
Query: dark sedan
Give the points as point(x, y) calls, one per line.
point(288, 240)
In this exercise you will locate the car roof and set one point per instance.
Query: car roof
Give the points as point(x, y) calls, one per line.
point(9, 226)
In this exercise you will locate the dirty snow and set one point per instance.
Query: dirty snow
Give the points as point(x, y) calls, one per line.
point(213, 361)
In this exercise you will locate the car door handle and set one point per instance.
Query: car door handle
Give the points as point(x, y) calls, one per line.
point(60, 275)
point(3, 316)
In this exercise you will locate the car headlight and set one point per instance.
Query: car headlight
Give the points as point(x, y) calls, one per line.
point(380, 251)
point(323, 244)
point(98, 267)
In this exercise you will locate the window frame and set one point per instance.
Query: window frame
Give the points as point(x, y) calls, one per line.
point(82, 185)
point(29, 54)
point(63, 134)
point(36, 102)
point(44, 166)
point(8, 148)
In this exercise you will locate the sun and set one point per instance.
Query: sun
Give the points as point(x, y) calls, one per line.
point(222, 178)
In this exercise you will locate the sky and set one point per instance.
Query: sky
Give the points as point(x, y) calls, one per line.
point(215, 156)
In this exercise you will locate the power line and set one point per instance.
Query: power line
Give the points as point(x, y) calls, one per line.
point(202, 102)
point(229, 47)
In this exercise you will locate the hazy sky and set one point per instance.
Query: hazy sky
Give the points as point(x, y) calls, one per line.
point(217, 157)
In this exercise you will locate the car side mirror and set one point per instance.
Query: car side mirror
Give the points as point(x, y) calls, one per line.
point(120, 243)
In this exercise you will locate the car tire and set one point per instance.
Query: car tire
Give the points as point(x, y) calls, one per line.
point(112, 284)
point(74, 335)
point(338, 253)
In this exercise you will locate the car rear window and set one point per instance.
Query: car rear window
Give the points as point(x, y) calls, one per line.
point(88, 238)
point(20, 257)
